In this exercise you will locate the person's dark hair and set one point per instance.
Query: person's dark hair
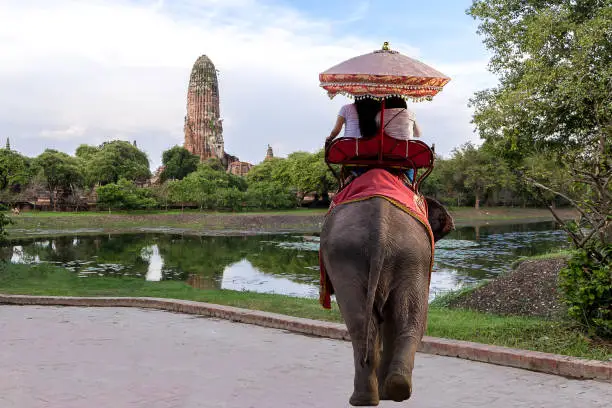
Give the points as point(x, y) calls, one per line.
point(367, 108)
point(395, 102)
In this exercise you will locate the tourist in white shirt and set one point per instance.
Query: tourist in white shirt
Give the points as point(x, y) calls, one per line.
point(358, 119)
point(400, 123)
point(362, 119)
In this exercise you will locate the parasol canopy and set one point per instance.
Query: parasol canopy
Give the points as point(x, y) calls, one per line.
point(383, 73)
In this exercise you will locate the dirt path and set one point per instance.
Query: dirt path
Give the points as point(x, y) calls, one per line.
point(102, 357)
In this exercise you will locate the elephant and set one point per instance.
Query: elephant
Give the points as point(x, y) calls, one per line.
point(378, 260)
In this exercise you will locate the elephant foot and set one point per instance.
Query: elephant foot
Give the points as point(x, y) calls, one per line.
point(397, 388)
point(362, 399)
point(382, 394)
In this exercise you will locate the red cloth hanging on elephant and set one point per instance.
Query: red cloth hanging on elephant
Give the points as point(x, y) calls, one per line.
point(376, 183)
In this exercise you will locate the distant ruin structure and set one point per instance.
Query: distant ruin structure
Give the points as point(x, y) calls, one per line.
point(269, 154)
point(203, 123)
point(240, 168)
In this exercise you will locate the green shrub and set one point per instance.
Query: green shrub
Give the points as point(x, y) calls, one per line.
point(125, 195)
point(269, 195)
point(4, 221)
point(586, 287)
point(229, 199)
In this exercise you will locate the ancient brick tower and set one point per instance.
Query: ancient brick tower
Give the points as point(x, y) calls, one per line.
point(203, 128)
point(269, 153)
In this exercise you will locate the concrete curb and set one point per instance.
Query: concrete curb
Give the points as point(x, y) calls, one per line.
point(531, 360)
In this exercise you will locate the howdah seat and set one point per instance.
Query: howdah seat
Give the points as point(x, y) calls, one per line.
point(383, 151)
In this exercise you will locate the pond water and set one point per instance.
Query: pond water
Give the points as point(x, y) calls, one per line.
point(283, 264)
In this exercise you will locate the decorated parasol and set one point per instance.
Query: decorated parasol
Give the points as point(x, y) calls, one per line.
point(381, 74)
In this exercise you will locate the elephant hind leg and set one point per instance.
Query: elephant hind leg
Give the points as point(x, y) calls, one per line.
point(352, 307)
point(394, 378)
point(409, 320)
point(365, 391)
point(387, 335)
point(397, 385)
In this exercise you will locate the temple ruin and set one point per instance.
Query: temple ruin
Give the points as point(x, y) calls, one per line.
point(269, 154)
point(203, 123)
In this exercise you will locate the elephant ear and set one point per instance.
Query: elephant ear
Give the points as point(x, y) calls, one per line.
point(440, 219)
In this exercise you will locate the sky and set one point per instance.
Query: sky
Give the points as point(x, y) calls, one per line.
point(88, 71)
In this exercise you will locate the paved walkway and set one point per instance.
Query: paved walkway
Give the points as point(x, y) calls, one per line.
point(124, 358)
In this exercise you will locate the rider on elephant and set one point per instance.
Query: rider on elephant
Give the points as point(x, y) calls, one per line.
point(362, 119)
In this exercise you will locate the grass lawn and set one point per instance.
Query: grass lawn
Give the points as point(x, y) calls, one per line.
point(563, 253)
point(46, 214)
point(526, 333)
point(296, 220)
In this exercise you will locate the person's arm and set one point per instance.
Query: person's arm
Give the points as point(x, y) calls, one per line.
point(336, 130)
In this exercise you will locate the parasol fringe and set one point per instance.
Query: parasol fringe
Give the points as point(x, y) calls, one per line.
point(379, 98)
point(375, 85)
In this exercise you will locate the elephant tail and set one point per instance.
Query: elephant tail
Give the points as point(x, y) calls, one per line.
point(376, 264)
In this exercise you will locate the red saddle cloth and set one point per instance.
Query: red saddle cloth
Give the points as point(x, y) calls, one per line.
point(376, 183)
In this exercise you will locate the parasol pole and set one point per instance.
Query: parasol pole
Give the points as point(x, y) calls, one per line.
point(382, 130)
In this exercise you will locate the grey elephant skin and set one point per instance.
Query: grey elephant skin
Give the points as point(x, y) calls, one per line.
point(378, 260)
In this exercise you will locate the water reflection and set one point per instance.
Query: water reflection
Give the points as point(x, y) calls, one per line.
point(21, 257)
point(156, 262)
point(272, 264)
point(244, 276)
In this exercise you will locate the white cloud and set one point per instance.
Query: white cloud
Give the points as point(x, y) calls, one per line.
point(72, 132)
point(118, 68)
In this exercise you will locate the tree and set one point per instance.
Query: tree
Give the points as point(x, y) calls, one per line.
point(178, 162)
point(86, 152)
point(178, 192)
point(115, 160)
point(35, 187)
point(301, 171)
point(554, 62)
point(206, 185)
point(480, 171)
point(545, 168)
point(215, 164)
point(309, 173)
point(442, 185)
point(110, 196)
point(229, 199)
point(281, 171)
point(124, 194)
point(265, 170)
point(200, 189)
point(269, 194)
point(161, 193)
point(60, 172)
point(326, 181)
point(15, 170)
